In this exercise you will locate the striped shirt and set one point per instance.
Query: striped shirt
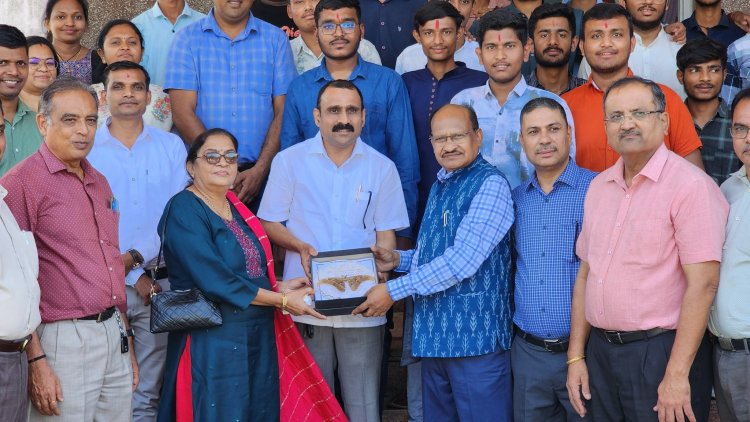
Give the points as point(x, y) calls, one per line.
point(488, 220)
point(547, 226)
point(236, 79)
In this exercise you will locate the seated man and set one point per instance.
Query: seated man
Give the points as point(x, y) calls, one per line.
point(459, 275)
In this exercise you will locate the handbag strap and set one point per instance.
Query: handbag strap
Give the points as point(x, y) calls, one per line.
point(257, 228)
point(164, 233)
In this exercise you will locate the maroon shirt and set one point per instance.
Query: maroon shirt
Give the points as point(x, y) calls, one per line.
point(80, 267)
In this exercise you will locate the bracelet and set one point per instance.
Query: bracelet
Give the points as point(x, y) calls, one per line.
point(283, 302)
point(575, 359)
point(40, 357)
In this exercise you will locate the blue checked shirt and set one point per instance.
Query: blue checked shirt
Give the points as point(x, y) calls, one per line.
point(488, 220)
point(236, 80)
point(738, 69)
point(547, 227)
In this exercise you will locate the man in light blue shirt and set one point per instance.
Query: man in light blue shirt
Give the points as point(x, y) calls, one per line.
point(389, 127)
point(232, 70)
point(144, 166)
point(158, 25)
point(504, 47)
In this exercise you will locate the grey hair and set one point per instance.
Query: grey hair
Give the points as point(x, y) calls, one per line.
point(544, 102)
point(658, 95)
point(60, 85)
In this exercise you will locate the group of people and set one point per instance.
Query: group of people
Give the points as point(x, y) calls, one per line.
point(557, 195)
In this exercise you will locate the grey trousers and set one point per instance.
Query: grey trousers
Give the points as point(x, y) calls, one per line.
point(732, 384)
point(150, 352)
point(539, 391)
point(95, 378)
point(355, 354)
point(14, 377)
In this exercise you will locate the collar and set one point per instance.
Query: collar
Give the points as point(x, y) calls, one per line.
point(652, 170)
point(316, 147)
point(443, 175)
point(157, 13)
point(692, 23)
point(723, 110)
point(519, 89)
point(21, 110)
point(596, 87)
point(298, 46)
point(740, 174)
point(55, 165)
point(662, 37)
point(210, 24)
point(3, 193)
point(105, 136)
point(321, 72)
point(569, 176)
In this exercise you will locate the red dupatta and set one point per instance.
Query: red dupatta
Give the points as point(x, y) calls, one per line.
point(304, 393)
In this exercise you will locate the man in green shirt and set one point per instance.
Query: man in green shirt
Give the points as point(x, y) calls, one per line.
point(21, 132)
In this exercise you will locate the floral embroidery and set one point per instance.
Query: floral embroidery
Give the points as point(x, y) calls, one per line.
point(162, 108)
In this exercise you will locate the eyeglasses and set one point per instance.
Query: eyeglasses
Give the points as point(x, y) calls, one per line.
point(456, 138)
point(213, 157)
point(329, 28)
point(638, 116)
point(36, 61)
point(739, 131)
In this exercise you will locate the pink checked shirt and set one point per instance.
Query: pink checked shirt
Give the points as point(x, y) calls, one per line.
point(636, 239)
point(80, 267)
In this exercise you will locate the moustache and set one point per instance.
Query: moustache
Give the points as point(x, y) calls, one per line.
point(630, 132)
point(548, 49)
point(545, 149)
point(342, 126)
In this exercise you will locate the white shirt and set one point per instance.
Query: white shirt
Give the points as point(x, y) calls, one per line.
point(304, 59)
point(142, 179)
point(656, 61)
point(325, 206)
point(19, 269)
point(730, 313)
point(413, 57)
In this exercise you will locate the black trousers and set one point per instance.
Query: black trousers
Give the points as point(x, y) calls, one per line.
point(624, 378)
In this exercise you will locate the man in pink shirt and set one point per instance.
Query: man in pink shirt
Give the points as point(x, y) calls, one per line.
point(650, 247)
point(80, 357)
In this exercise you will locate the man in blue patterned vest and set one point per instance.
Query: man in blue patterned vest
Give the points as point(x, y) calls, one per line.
point(459, 275)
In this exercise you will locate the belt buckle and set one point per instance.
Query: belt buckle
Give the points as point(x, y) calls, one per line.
point(610, 335)
point(726, 344)
point(25, 343)
point(550, 343)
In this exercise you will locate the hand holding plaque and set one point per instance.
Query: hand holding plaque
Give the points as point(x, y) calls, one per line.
point(341, 279)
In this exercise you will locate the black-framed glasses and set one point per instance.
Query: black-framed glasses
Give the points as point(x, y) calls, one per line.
point(638, 116)
point(738, 131)
point(213, 157)
point(455, 138)
point(329, 28)
point(36, 61)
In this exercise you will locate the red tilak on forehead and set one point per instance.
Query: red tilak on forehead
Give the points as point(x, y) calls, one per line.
point(605, 24)
point(499, 38)
point(337, 16)
point(437, 24)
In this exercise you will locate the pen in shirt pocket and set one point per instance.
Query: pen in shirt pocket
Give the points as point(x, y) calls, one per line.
point(575, 240)
point(114, 205)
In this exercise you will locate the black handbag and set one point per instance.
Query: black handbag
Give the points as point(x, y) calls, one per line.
point(175, 310)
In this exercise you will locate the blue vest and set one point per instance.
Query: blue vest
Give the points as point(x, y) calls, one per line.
point(473, 317)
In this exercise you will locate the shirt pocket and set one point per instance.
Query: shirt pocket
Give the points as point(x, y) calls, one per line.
point(565, 236)
point(360, 213)
point(642, 242)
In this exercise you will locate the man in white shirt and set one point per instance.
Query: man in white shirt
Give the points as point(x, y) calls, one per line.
point(145, 167)
point(654, 56)
point(731, 312)
point(19, 306)
point(334, 192)
point(306, 49)
point(414, 58)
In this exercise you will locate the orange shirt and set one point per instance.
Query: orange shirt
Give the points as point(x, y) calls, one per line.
point(592, 150)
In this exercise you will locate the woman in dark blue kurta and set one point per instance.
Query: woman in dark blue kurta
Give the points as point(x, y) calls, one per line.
point(234, 367)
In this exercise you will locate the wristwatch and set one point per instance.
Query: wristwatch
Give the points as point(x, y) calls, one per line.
point(137, 258)
point(130, 332)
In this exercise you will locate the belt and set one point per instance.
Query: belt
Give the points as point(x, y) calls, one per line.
point(624, 337)
point(10, 346)
point(100, 317)
point(733, 344)
point(157, 273)
point(555, 346)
